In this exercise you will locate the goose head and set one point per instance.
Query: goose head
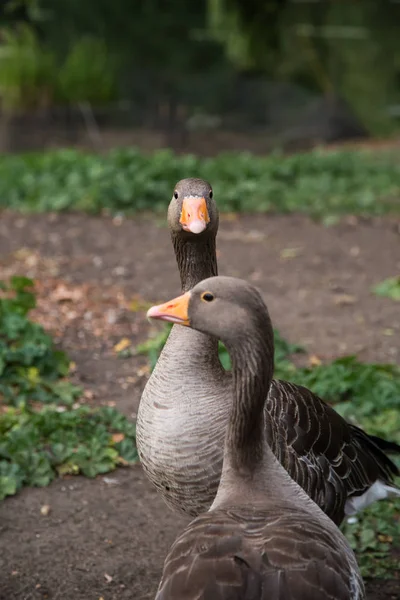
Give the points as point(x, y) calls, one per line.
point(192, 211)
point(227, 308)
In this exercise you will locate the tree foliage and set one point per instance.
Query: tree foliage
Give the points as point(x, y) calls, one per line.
point(191, 51)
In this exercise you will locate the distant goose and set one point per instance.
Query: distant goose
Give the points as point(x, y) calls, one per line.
point(186, 403)
point(263, 538)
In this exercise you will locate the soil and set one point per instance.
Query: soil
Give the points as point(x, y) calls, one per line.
point(107, 537)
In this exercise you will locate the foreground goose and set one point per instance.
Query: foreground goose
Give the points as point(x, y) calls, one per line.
point(263, 538)
point(185, 405)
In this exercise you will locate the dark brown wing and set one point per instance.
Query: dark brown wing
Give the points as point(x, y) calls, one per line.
point(241, 554)
point(331, 459)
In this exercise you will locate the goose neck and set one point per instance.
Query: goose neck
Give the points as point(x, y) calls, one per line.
point(253, 366)
point(196, 258)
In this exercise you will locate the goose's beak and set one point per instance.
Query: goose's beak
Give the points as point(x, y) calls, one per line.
point(194, 214)
point(174, 311)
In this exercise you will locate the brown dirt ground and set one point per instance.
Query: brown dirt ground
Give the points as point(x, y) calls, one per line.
point(107, 538)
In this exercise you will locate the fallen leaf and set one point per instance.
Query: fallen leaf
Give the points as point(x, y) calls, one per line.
point(385, 538)
point(67, 469)
point(62, 294)
point(117, 437)
point(108, 578)
point(344, 299)
point(145, 370)
point(289, 253)
point(23, 253)
point(32, 261)
point(122, 345)
point(388, 331)
point(314, 360)
point(45, 510)
point(88, 394)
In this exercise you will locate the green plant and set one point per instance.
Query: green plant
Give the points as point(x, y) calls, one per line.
point(27, 70)
point(31, 78)
point(322, 184)
point(374, 536)
point(44, 431)
point(88, 73)
point(36, 445)
point(31, 369)
point(390, 288)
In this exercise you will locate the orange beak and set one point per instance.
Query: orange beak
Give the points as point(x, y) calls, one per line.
point(194, 215)
point(174, 311)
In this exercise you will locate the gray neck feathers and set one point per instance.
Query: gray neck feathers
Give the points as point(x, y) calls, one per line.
point(196, 258)
point(252, 375)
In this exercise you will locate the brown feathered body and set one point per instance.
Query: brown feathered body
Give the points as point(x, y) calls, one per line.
point(252, 554)
point(263, 538)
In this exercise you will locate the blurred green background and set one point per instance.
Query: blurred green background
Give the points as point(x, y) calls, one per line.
point(205, 76)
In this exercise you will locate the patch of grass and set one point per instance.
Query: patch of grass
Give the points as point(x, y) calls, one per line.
point(375, 538)
point(44, 431)
point(366, 394)
point(389, 288)
point(322, 184)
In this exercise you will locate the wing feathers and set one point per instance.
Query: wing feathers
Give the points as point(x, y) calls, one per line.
point(331, 459)
point(258, 556)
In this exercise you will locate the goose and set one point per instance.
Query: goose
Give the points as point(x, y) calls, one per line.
point(263, 537)
point(184, 408)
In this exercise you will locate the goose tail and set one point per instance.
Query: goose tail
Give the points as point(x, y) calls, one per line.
point(385, 445)
point(378, 491)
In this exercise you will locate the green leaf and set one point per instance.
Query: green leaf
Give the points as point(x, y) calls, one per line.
point(19, 284)
point(11, 478)
point(389, 288)
point(39, 471)
point(127, 450)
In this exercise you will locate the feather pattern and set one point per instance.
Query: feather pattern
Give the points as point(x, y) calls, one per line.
point(263, 537)
point(185, 407)
point(247, 554)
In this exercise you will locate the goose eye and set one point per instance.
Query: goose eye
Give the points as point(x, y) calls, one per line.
point(176, 195)
point(211, 195)
point(207, 296)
